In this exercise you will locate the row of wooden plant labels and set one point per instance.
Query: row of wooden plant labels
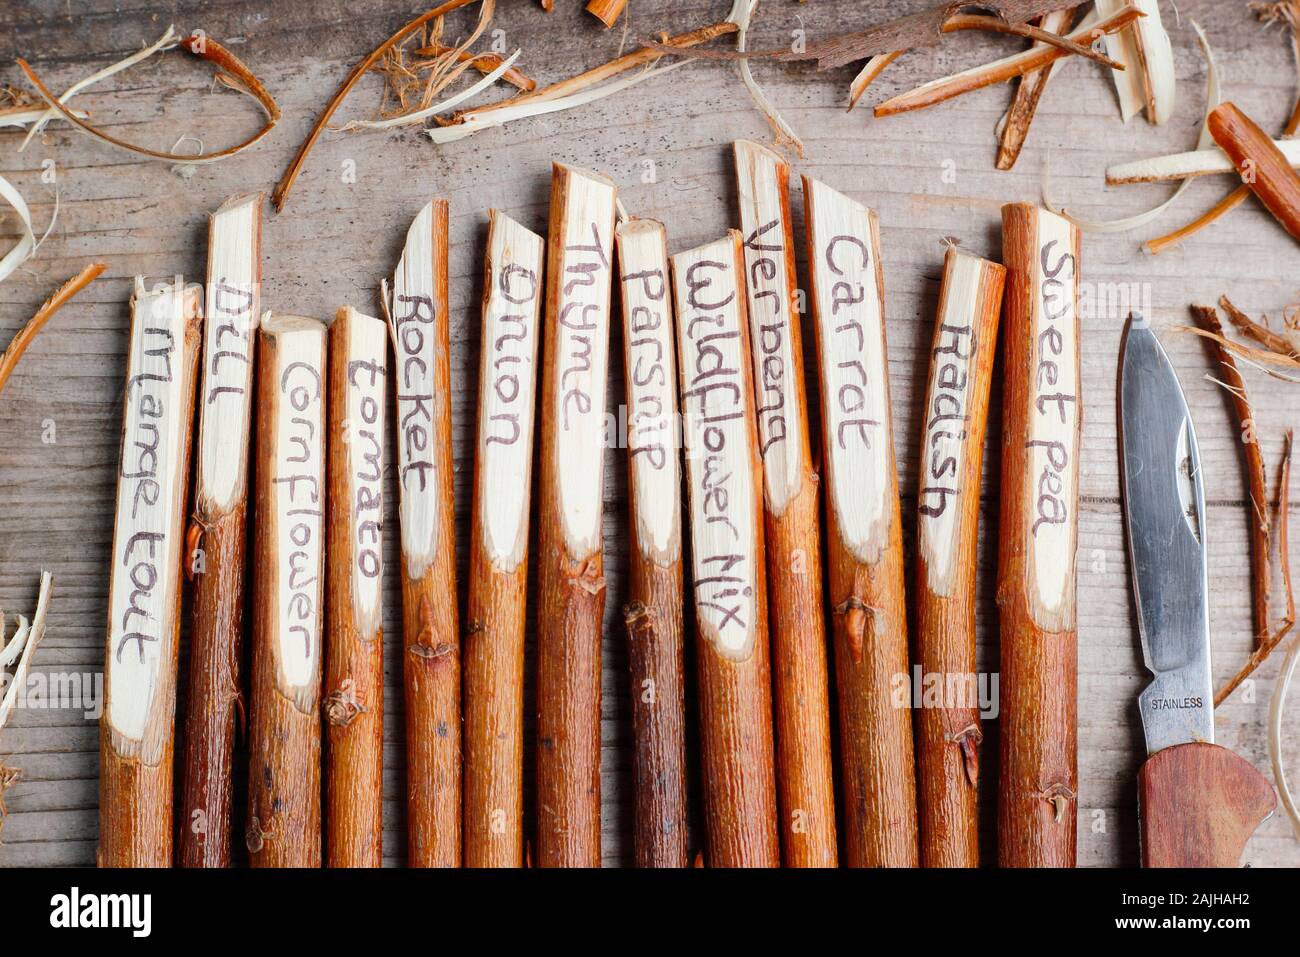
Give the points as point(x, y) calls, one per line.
point(712, 339)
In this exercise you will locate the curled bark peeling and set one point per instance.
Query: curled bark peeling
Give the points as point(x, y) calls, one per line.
point(1029, 91)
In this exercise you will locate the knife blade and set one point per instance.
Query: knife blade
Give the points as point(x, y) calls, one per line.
point(1198, 802)
point(1164, 501)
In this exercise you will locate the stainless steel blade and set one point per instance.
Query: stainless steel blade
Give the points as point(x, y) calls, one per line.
point(1164, 505)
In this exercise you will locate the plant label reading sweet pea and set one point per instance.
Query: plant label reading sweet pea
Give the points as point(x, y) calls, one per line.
point(298, 502)
point(844, 266)
point(145, 578)
point(718, 430)
point(581, 338)
point(651, 389)
point(1053, 440)
point(507, 388)
point(763, 184)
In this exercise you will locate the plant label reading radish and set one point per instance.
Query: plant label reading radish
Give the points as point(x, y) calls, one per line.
point(717, 425)
point(144, 590)
point(845, 255)
point(652, 400)
point(507, 388)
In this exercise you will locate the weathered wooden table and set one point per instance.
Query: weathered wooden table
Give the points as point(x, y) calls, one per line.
point(929, 174)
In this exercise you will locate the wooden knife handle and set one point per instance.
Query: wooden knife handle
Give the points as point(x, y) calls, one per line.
point(1199, 805)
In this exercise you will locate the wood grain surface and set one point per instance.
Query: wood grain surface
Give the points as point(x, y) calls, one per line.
point(929, 175)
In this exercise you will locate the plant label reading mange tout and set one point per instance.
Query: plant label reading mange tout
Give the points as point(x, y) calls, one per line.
point(144, 589)
point(507, 389)
point(719, 446)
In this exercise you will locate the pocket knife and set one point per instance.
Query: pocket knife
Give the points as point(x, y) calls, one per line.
point(1198, 802)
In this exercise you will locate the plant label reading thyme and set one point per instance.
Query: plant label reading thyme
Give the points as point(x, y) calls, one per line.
point(298, 499)
point(581, 279)
point(1052, 443)
point(144, 589)
point(717, 426)
point(651, 389)
point(366, 390)
point(234, 264)
point(845, 267)
point(763, 184)
point(507, 389)
point(949, 398)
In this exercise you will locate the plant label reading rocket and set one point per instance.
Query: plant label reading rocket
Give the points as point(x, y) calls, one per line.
point(298, 502)
point(652, 399)
point(770, 279)
point(719, 445)
point(583, 274)
point(144, 589)
point(507, 390)
point(846, 275)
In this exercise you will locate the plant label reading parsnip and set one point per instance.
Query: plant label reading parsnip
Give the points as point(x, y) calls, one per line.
point(652, 396)
point(507, 390)
point(716, 422)
point(298, 500)
point(581, 283)
point(366, 390)
point(763, 184)
point(1052, 443)
point(233, 296)
point(144, 589)
point(412, 313)
point(845, 251)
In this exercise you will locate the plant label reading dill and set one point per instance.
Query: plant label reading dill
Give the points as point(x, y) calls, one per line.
point(1052, 443)
point(298, 501)
point(366, 393)
point(844, 263)
point(718, 429)
point(507, 388)
point(233, 296)
point(580, 282)
point(651, 387)
point(144, 589)
point(763, 180)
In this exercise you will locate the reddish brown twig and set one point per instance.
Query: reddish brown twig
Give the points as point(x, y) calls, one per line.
point(1015, 126)
point(24, 336)
point(1262, 166)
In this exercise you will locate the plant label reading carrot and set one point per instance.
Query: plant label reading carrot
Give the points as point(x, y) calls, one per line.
point(717, 417)
point(507, 390)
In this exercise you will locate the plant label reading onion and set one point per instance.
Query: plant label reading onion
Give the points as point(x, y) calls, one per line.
point(845, 264)
point(507, 388)
point(717, 417)
point(763, 182)
point(144, 589)
point(651, 388)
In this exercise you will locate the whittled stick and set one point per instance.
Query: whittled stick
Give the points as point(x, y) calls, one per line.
point(1262, 166)
point(219, 527)
point(144, 590)
point(418, 315)
point(571, 573)
point(948, 507)
point(354, 652)
point(1037, 539)
point(654, 614)
point(283, 827)
point(724, 476)
point(498, 572)
point(863, 530)
point(792, 540)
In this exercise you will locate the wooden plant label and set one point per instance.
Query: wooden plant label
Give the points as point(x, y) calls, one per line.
point(718, 429)
point(580, 263)
point(231, 313)
point(956, 357)
point(845, 270)
point(144, 580)
point(763, 180)
point(652, 396)
point(297, 503)
point(512, 299)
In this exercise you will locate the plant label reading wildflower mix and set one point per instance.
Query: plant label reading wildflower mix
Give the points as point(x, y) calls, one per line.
point(507, 390)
